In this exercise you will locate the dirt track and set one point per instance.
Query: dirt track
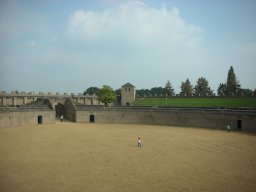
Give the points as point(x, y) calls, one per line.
point(99, 157)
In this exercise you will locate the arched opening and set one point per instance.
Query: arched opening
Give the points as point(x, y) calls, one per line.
point(60, 110)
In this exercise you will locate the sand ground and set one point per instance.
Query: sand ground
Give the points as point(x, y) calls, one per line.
point(105, 157)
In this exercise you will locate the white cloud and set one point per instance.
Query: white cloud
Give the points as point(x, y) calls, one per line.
point(136, 22)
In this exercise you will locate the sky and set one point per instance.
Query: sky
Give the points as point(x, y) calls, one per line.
point(69, 46)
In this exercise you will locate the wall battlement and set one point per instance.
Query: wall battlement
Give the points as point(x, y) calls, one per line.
point(17, 99)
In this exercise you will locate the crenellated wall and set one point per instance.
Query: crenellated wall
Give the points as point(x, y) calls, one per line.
point(17, 99)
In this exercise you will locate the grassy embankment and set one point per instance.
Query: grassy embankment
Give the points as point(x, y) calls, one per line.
point(197, 102)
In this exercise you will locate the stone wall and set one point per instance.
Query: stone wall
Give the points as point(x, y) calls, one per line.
point(12, 118)
point(17, 99)
point(176, 117)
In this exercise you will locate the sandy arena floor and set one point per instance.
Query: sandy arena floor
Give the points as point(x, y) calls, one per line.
point(102, 157)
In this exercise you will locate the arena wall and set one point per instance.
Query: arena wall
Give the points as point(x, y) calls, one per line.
point(26, 117)
point(177, 117)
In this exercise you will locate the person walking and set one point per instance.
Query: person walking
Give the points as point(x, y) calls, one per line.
point(61, 118)
point(228, 128)
point(139, 142)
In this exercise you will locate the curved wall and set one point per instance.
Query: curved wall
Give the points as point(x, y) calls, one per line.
point(245, 120)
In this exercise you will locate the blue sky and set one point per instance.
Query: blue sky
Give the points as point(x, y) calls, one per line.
point(68, 46)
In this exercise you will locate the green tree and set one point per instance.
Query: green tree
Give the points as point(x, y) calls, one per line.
point(156, 91)
point(140, 92)
point(143, 92)
point(238, 88)
point(186, 88)
point(245, 92)
point(91, 91)
point(168, 90)
point(107, 95)
point(118, 92)
point(202, 87)
point(233, 85)
point(222, 89)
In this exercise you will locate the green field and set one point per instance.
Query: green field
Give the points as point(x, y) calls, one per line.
point(197, 102)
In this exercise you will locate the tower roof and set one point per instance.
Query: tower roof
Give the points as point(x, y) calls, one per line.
point(128, 85)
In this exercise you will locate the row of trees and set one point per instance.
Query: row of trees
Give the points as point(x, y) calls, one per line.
point(231, 87)
point(201, 89)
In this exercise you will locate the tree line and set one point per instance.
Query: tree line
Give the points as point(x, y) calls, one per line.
point(231, 87)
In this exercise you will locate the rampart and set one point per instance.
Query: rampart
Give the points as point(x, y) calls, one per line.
point(88, 112)
point(185, 117)
point(18, 99)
